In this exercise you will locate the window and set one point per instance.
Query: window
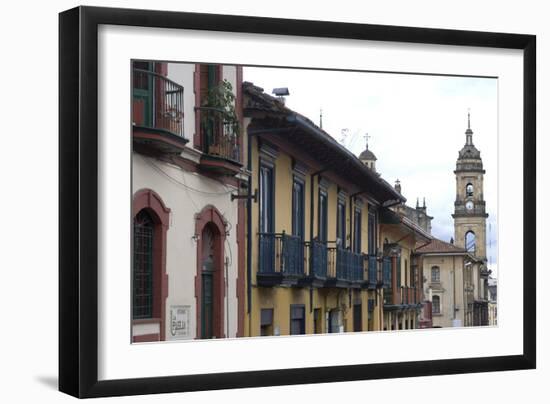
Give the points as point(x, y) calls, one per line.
point(267, 224)
point(266, 322)
point(341, 223)
point(469, 190)
point(372, 233)
point(297, 319)
point(436, 275)
point(357, 230)
point(298, 207)
point(143, 265)
point(470, 242)
point(323, 215)
point(436, 305)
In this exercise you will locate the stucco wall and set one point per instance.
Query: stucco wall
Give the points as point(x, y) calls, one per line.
point(186, 194)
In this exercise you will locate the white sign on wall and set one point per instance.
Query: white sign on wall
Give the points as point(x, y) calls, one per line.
point(179, 321)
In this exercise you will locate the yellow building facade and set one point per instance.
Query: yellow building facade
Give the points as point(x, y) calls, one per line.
point(315, 257)
point(403, 293)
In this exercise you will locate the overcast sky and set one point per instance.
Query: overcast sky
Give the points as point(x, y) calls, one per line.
point(416, 126)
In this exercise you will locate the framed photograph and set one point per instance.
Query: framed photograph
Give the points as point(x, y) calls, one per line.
point(249, 201)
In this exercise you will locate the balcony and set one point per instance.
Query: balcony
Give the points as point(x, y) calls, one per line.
point(405, 299)
point(386, 272)
point(220, 142)
point(157, 114)
point(345, 268)
point(281, 259)
point(317, 260)
point(374, 273)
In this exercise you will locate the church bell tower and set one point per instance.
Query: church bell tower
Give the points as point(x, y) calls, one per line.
point(470, 216)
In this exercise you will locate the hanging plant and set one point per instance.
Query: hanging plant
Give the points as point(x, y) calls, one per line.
point(219, 105)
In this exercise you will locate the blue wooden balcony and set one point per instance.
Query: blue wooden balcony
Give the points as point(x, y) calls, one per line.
point(280, 259)
point(374, 276)
point(316, 259)
point(386, 272)
point(345, 268)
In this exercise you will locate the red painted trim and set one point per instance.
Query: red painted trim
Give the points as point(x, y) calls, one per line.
point(239, 109)
point(152, 202)
point(241, 263)
point(197, 91)
point(146, 338)
point(161, 68)
point(211, 216)
point(195, 168)
point(219, 165)
point(159, 137)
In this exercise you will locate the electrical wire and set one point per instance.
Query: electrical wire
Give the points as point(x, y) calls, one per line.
point(183, 184)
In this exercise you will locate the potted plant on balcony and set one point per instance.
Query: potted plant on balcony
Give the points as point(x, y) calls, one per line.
point(219, 121)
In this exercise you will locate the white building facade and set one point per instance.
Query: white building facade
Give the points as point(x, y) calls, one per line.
point(188, 247)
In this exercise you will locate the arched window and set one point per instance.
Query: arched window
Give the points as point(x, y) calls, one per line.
point(436, 274)
point(470, 242)
point(143, 265)
point(149, 277)
point(436, 305)
point(469, 190)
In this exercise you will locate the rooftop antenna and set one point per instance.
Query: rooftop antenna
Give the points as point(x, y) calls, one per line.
point(321, 118)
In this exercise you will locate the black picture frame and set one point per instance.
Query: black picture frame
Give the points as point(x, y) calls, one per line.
point(78, 201)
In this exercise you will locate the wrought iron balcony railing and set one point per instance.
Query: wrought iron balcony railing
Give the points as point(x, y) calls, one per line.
point(220, 136)
point(318, 259)
point(349, 265)
point(157, 102)
point(281, 253)
point(374, 271)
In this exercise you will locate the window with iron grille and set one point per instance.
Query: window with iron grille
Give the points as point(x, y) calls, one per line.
point(143, 266)
point(436, 274)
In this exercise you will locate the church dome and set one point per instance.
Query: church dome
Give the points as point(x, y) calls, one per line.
point(367, 155)
point(469, 152)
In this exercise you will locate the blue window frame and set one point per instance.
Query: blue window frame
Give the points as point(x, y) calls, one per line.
point(357, 230)
point(323, 216)
point(298, 206)
point(267, 218)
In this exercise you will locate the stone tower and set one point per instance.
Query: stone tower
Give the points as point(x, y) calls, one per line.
point(469, 216)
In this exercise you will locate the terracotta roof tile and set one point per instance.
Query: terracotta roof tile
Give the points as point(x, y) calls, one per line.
point(439, 246)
